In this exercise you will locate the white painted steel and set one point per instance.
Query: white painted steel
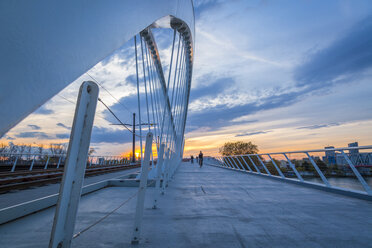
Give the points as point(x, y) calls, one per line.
point(258, 170)
point(267, 171)
point(159, 168)
point(324, 179)
point(357, 174)
point(293, 168)
point(46, 45)
point(227, 162)
point(276, 166)
point(249, 168)
point(142, 189)
point(73, 176)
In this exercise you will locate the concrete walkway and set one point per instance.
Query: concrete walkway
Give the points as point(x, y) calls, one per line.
point(210, 207)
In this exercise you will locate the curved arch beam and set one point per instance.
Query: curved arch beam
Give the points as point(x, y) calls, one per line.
point(46, 44)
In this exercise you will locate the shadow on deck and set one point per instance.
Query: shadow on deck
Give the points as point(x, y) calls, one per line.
point(210, 207)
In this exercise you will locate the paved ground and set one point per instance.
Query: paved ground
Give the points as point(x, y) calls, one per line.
point(211, 207)
point(24, 195)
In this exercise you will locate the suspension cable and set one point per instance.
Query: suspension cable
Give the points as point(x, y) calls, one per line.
point(138, 94)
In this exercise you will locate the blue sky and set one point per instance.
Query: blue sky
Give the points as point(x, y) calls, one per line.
point(286, 75)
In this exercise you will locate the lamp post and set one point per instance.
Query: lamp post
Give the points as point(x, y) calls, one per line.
point(134, 125)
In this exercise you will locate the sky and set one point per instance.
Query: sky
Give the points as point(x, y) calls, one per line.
point(286, 75)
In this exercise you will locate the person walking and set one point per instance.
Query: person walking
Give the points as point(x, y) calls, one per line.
point(201, 159)
point(192, 159)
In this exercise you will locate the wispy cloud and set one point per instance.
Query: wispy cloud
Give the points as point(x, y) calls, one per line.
point(63, 125)
point(346, 56)
point(251, 133)
point(63, 136)
point(34, 127)
point(43, 110)
point(37, 135)
point(319, 126)
point(102, 135)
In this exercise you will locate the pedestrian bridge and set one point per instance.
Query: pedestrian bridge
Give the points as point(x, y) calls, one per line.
point(209, 207)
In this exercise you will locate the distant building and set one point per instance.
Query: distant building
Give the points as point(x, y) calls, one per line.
point(354, 151)
point(330, 156)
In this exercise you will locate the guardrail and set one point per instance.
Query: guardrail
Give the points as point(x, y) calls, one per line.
point(256, 164)
point(29, 161)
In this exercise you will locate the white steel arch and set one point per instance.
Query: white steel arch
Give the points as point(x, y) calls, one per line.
point(46, 45)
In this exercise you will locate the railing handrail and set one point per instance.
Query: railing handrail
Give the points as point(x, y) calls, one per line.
point(305, 151)
point(57, 155)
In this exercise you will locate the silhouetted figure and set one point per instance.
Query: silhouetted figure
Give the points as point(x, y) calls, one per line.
point(201, 159)
point(192, 159)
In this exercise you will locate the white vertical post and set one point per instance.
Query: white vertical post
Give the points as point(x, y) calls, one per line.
point(73, 176)
point(46, 164)
point(159, 166)
point(14, 164)
point(32, 164)
point(165, 172)
point(59, 161)
point(142, 189)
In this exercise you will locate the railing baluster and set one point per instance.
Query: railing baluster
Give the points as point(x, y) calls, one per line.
point(357, 174)
point(32, 163)
point(258, 170)
point(324, 179)
point(294, 168)
point(241, 165)
point(14, 164)
point(262, 163)
point(235, 164)
point(276, 166)
point(46, 164)
point(249, 168)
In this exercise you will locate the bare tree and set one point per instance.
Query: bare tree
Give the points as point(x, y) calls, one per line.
point(21, 149)
point(91, 151)
point(40, 149)
point(3, 147)
point(28, 151)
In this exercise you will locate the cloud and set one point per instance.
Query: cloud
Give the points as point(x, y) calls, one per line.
point(251, 133)
point(43, 111)
point(223, 115)
point(319, 126)
point(344, 58)
point(37, 135)
point(63, 125)
point(213, 89)
point(63, 135)
point(131, 80)
point(34, 127)
point(107, 135)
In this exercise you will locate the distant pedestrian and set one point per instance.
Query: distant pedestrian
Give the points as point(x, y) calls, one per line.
point(201, 159)
point(192, 159)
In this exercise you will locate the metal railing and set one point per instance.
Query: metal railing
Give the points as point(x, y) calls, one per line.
point(11, 162)
point(256, 164)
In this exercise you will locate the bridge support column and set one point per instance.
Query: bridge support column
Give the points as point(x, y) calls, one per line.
point(73, 176)
point(142, 190)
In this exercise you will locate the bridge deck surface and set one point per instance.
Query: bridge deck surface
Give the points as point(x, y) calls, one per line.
point(210, 207)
